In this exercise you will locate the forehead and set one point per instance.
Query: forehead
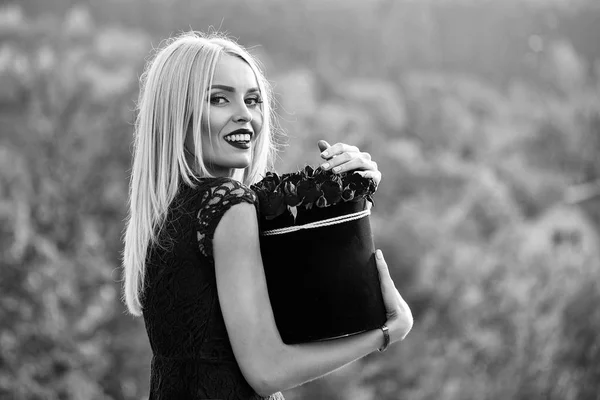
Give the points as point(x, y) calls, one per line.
point(233, 71)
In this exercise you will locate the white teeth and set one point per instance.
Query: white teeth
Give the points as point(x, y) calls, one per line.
point(238, 138)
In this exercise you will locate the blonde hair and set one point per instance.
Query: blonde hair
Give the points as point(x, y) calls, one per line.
point(173, 92)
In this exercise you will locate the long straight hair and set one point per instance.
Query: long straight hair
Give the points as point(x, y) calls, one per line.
point(173, 97)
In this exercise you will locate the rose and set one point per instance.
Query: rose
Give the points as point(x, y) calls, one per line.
point(332, 191)
point(270, 196)
point(308, 191)
point(362, 187)
point(270, 182)
point(357, 182)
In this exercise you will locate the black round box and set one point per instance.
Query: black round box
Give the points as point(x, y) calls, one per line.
point(323, 282)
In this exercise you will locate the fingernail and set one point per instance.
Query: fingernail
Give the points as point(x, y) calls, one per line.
point(325, 166)
point(379, 254)
point(325, 154)
point(337, 169)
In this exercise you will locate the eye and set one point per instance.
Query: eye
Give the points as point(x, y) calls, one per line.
point(253, 101)
point(218, 99)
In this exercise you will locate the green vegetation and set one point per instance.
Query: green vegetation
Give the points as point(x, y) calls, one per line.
point(480, 115)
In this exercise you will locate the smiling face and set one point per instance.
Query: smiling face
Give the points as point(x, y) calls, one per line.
point(233, 119)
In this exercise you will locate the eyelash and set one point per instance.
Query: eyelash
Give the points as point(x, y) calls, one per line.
point(214, 100)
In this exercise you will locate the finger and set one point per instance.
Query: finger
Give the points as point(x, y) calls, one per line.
point(382, 267)
point(338, 149)
point(388, 290)
point(391, 296)
point(387, 284)
point(349, 162)
point(323, 145)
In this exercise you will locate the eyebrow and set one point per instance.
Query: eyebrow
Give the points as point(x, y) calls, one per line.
point(232, 89)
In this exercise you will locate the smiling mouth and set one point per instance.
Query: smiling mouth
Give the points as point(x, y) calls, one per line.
point(239, 139)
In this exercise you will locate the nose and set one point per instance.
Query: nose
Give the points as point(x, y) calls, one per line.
point(242, 114)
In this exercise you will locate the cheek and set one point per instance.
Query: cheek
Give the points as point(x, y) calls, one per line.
point(212, 128)
point(257, 121)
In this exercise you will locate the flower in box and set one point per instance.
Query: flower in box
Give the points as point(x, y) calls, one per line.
point(307, 188)
point(318, 254)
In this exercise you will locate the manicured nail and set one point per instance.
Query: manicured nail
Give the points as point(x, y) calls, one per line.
point(325, 166)
point(337, 169)
point(379, 254)
point(325, 154)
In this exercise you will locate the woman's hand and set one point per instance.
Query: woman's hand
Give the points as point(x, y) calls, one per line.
point(342, 157)
point(399, 316)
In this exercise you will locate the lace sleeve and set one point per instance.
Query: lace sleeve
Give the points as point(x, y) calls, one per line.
point(218, 197)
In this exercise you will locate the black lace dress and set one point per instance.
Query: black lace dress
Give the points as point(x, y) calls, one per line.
point(192, 355)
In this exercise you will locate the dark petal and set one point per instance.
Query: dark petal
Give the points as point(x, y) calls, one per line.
point(275, 198)
point(289, 188)
point(320, 178)
point(337, 179)
point(273, 204)
point(265, 209)
point(262, 196)
point(312, 194)
point(306, 189)
point(332, 191)
point(293, 200)
point(372, 186)
point(354, 177)
point(322, 202)
point(294, 178)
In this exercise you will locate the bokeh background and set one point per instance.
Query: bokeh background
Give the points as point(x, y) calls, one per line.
point(484, 117)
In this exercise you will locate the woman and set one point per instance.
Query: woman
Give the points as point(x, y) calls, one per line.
point(192, 260)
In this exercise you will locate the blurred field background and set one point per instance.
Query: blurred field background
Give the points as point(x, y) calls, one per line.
point(484, 117)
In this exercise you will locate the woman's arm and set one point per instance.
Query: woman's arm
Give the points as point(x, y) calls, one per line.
point(267, 363)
